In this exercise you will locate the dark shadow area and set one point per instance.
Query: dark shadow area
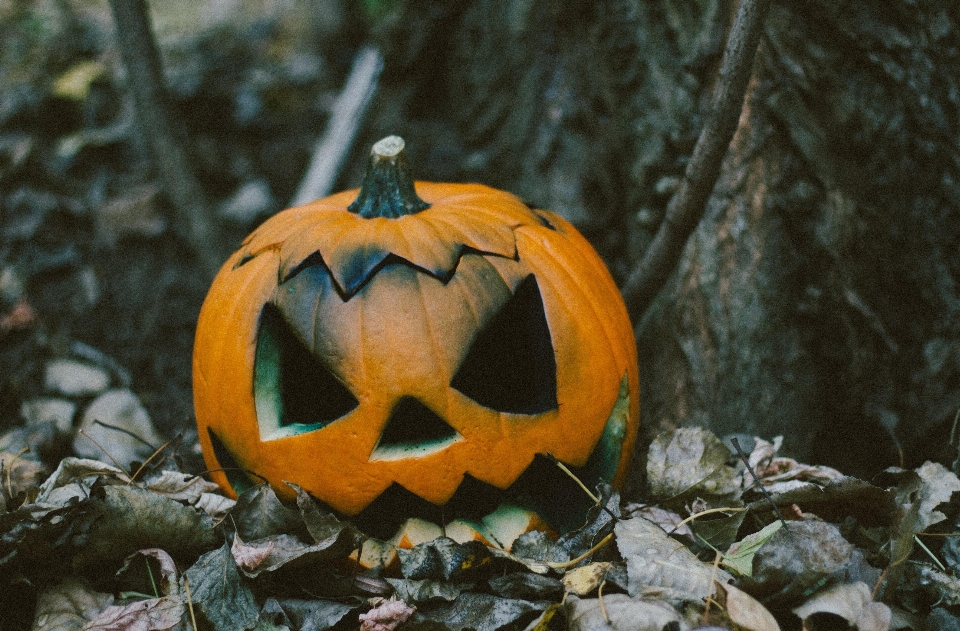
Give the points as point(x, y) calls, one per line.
point(511, 366)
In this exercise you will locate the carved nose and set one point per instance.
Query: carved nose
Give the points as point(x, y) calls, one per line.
point(413, 431)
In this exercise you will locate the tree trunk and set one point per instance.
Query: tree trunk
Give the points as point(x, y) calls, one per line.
point(818, 298)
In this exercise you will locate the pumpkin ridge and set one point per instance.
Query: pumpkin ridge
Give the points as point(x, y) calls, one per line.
point(427, 320)
point(562, 278)
point(548, 250)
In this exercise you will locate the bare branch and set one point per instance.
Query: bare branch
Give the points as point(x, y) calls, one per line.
point(348, 113)
point(687, 205)
point(141, 58)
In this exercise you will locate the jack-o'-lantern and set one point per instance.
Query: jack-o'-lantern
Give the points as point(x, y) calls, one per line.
point(417, 350)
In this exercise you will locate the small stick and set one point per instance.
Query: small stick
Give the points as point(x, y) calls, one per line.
point(124, 431)
point(565, 469)
point(756, 478)
point(152, 456)
point(109, 455)
point(562, 566)
point(346, 116)
point(603, 608)
point(193, 617)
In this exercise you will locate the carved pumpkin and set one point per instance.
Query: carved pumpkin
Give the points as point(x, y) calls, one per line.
point(416, 352)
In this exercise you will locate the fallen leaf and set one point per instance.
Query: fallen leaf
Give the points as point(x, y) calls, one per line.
point(123, 519)
point(422, 591)
point(691, 462)
point(313, 615)
point(875, 617)
point(585, 580)
point(537, 546)
point(544, 622)
point(218, 590)
point(795, 559)
point(623, 612)
point(387, 616)
point(481, 612)
point(154, 614)
point(659, 565)
point(740, 554)
point(273, 552)
point(526, 586)
point(846, 600)
point(273, 613)
point(179, 486)
point(215, 505)
point(20, 473)
point(939, 484)
point(73, 478)
point(599, 524)
point(68, 606)
point(942, 587)
point(258, 514)
point(669, 520)
point(328, 531)
point(833, 501)
point(137, 572)
point(744, 610)
point(719, 530)
point(444, 558)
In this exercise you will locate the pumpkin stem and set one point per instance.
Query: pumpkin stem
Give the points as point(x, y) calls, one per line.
point(387, 190)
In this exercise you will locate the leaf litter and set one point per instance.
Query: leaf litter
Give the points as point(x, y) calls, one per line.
point(104, 550)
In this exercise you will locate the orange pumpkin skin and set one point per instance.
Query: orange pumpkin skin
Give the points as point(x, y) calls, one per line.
point(392, 307)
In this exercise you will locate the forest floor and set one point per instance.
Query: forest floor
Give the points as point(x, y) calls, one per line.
point(99, 297)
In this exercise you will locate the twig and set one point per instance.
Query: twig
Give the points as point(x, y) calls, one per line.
point(346, 116)
point(687, 205)
point(756, 478)
point(186, 587)
point(138, 49)
point(101, 447)
point(123, 430)
point(603, 608)
point(572, 475)
point(144, 464)
point(558, 565)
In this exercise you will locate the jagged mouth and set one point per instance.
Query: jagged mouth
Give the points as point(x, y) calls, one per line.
point(543, 488)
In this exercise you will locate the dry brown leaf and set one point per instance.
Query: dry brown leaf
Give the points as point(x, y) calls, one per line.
point(746, 611)
point(386, 616)
point(585, 580)
point(850, 601)
point(154, 614)
point(659, 565)
point(68, 606)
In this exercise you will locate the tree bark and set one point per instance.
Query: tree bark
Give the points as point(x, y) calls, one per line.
point(818, 297)
point(141, 59)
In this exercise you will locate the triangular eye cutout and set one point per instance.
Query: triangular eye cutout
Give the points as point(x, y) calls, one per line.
point(413, 430)
point(293, 391)
point(511, 366)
